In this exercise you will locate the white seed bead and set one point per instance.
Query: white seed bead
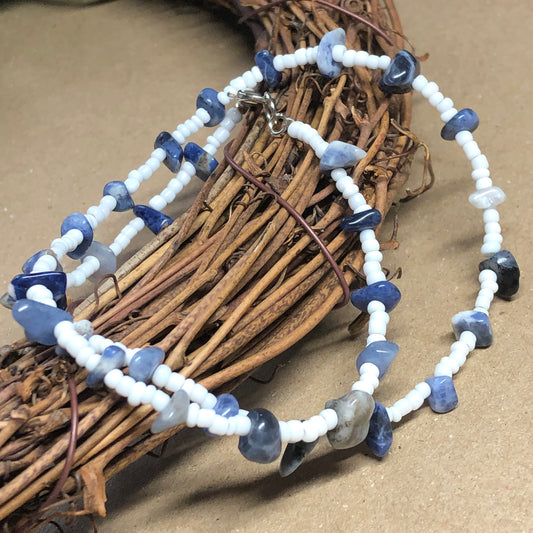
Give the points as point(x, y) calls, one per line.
point(469, 339)
point(232, 425)
point(39, 292)
point(153, 163)
point(369, 368)
point(484, 299)
point(372, 62)
point(374, 256)
point(136, 392)
point(430, 89)
point(203, 115)
point(278, 62)
point(364, 386)
point(91, 363)
point(375, 337)
point(384, 62)
point(157, 202)
point(192, 415)
point(448, 114)
point(348, 58)
point(375, 306)
point(487, 275)
point(161, 376)
point(301, 56)
point(360, 58)
point(370, 246)
point(371, 267)
point(148, 394)
point(443, 369)
point(338, 173)
point(310, 431)
point(205, 418)
point(223, 98)
point(257, 74)
point(243, 425)
point(491, 215)
point(99, 343)
point(415, 399)
point(168, 195)
point(132, 185)
point(113, 377)
point(362, 208)
point(188, 385)
point(45, 263)
point(175, 186)
point(451, 363)
point(403, 407)
point(179, 137)
point(480, 173)
point(458, 357)
point(146, 172)
point(209, 401)
point(285, 431)
point(375, 277)
point(221, 135)
point(175, 382)
point(337, 52)
point(483, 183)
point(183, 177)
point(198, 394)
point(493, 237)
point(463, 137)
point(130, 352)
point(480, 162)
point(220, 425)
point(356, 201)
point(331, 418)
point(393, 413)
point(125, 386)
point(493, 227)
point(210, 149)
point(419, 83)
point(492, 245)
point(444, 105)
point(471, 150)
point(296, 430)
point(423, 388)
point(312, 55)
point(436, 98)
point(75, 345)
point(83, 355)
point(376, 326)
point(160, 400)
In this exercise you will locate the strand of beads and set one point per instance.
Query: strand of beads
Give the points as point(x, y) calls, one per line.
point(348, 420)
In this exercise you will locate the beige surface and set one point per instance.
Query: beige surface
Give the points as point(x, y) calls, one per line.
point(83, 93)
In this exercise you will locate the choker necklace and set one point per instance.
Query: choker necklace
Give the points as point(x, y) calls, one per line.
point(38, 296)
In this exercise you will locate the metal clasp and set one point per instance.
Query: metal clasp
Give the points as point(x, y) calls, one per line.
point(277, 121)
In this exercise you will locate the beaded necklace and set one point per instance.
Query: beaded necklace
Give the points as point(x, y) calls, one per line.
point(38, 296)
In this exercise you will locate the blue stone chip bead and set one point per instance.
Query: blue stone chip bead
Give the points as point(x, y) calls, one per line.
point(507, 272)
point(203, 162)
point(475, 321)
point(339, 154)
point(39, 320)
point(399, 76)
point(383, 291)
point(208, 100)
point(55, 282)
point(28, 265)
point(265, 63)
point(119, 191)
point(368, 219)
point(144, 362)
point(112, 357)
point(172, 148)
point(379, 353)
point(106, 257)
point(227, 406)
point(464, 120)
point(443, 397)
point(155, 220)
point(379, 438)
point(324, 60)
point(294, 455)
point(263, 442)
point(80, 222)
point(7, 301)
point(173, 414)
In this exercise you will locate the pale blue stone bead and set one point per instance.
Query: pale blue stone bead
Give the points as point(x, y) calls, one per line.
point(464, 120)
point(339, 154)
point(383, 291)
point(144, 363)
point(119, 191)
point(379, 438)
point(39, 320)
point(155, 220)
point(265, 63)
point(80, 222)
point(55, 282)
point(399, 76)
point(173, 414)
point(294, 455)
point(172, 148)
point(203, 162)
point(476, 322)
point(27, 267)
point(106, 257)
point(443, 397)
point(263, 442)
point(112, 357)
point(379, 353)
point(325, 62)
point(208, 100)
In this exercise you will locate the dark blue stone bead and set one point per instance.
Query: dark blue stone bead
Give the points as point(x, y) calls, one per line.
point(208, 100)
point(263, 442)
point(325, 62)
point(119, 191)
point(80, 222)
point(39, 320)
point(172, 148)
point(464, 120)
point(382, 291)
point(112, 357)
point(443, 397)
point(203, 162)
point(379, 353)
point(368, 219)
point(397, 79)
point(226, 406)
point(475, 321)
point(379, 438)
point(27, 267)
point(265, 63)
point(155, 220)
point(294, 455)
point(144, 363)
point(54, 281)
point(507, 272)
point(339, 154)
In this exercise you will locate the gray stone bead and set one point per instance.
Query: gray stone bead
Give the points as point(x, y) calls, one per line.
point(263, 442)
point(173, 414)
point(294, 455)
point(354, 411)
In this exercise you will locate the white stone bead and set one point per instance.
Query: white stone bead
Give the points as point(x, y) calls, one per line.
point(161, 376)
point(480, 162)
point(375, 306)
point(296, 430)
point(429, 89)
point(220, 425)
point(198, 394)
point(375, 338)
point(125, 386)
point(448, 114)
point(419, 83)
point(192, 415)
point(205, 418)
point(384, 62)
point(436, 98)
point(113, 377)
point(444, 105)
point(136, 393)
point(423, 388)
point(83, 356)
point(483, 183)
point(360, 58)
point(175, 382)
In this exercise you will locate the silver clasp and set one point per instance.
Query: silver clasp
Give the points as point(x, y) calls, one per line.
point(277, 121)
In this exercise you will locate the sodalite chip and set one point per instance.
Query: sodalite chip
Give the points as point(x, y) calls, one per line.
point(464, 120)
point(144, 363)
point(78, 221)
point(203, 162)
point(325, 62)
point(353, 411)
point(399, 76)
point(263, 442)
point(119, 191)
point(112, 357)
point(379, 438)
point(55, 282)
point(155, 220)
point(339, 154)
point(173, 414)
point(265, 63)
point(507, 272)
point(383, 291)
point(208, 100)
point(39, 320)
point(294, 455)
point(172, 148)
point(475, 321)
point(443, 397)
point(379, 353)
point(368, 219)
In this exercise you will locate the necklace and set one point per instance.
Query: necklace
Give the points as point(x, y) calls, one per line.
point(348, 420)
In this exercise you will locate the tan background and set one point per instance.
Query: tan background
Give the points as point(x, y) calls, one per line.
point(83, 93)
